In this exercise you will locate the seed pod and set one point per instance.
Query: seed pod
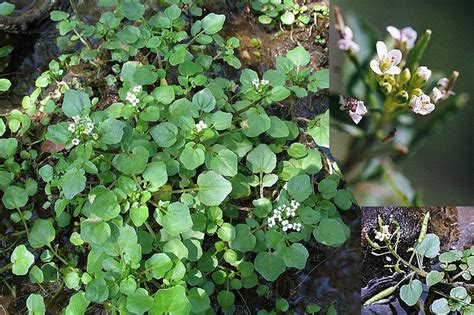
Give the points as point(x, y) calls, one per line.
point(424, 227)
point(383, 294)
point(371, 243)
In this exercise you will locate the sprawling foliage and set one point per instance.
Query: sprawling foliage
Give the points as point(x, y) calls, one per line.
point(173, 184)
point(449, 280)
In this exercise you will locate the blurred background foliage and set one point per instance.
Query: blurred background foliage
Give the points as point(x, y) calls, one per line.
point(441, 169)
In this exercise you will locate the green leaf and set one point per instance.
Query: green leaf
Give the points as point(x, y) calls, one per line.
point(139, 302)
point(164, 134)
point(279, 93)
point(111, 131)
point(46, 172)
point(3, 128)
point(440, 307)
point(265, 19)
point(199, 300)
point(226, 232)
point(318, 129)
point(410, 293)
point(343, 199)
point(145, 75)
point(225, 299)
point(418, 51)
point(299, 56)
point(8, 147)
point(176, 219)
point(35, 305)
point(213, 188)
point(256, 124)
point(434, 277)
point(129, 35)
point(331, 232)
point(133, 10)
point(134, 163)
point(261, 159)
point(269, 265)
point(155, 173)
point(244, 240)
point(295, 256)
point(77, 304)
point(171, 301)
point(328, 188)
point(105, 205)
point(72, 183)
point(204, 100)
point(95, 231)
point(22, 260)
point(6, 8)
point(58, 15)
point(42, 233)
point(300, 187)
point(213, 23)
point(225, 163)
point(97, 290)
point(192, 156)
point(319, 80)
point(5, 84)
point(139, 215)
point(429, 247)
point(75, 103)
point(14, 197)
point(288, 18)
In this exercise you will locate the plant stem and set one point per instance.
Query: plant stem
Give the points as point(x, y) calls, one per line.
point(5, 268)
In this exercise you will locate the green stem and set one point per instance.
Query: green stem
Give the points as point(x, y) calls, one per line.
point(5, 268)
point(55, 253)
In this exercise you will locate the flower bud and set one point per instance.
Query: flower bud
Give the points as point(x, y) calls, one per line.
point(402, 97)
point(405, 76)
point(417, 92)
point(386, 88)
point(422, 75)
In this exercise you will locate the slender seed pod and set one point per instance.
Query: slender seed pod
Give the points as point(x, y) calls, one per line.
point(424, 227)
point(383, 294)
point(371, 243)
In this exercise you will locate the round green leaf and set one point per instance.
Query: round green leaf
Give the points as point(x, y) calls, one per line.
point(73, 182)
point(199, 300)
point(213, 188)
point(176, 219)
point(75, 103)
point(22, 260)
point(213, 23)
point(429, 247)
point(410, 293)
point(139, 302)
point(164, 134)
point(300, 188)
point(261, 159)
point(226, 232)
point(35, 305)
point(295, 256)
point(42, 233)
point(244, 240)
point(172, 300)
point(97, 290)
point(14, 197)
point(269, 265)
point(331, 232)
point(105, 205)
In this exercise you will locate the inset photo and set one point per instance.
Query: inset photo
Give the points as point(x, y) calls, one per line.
point(401, 90)
point(417, 260)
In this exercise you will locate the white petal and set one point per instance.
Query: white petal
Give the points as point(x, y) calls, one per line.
point(348, 32)
point(374, 65)
point(394, 32)
point(356, 118)
point(393, 70)
point(361, 109)
point(395, 55)
point(381, 49)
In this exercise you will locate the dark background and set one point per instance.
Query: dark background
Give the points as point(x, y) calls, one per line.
point(442, 170)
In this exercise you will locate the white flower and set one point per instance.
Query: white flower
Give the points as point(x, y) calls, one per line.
point(132, 99)
point(137, 89)
point(436, 95)
point(423, 73)
point(355, 108)
point(264, 82)
point(422, 105)
point(256, 83)
point(346, 43)
point(405, 36)
point(387, 61)
point(443, 83)
point(201, 126)
point(379, 236)
point(284, 228)
point(75, 141)
point(95, 136)
point(76, 118)
point(72, 127)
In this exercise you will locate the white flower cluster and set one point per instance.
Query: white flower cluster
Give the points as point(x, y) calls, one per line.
point(260, 83)
point(81, 126)
point(132, 96)
point(441, 90)
point(200, 126)
point(383, 234)
point(283, 215)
